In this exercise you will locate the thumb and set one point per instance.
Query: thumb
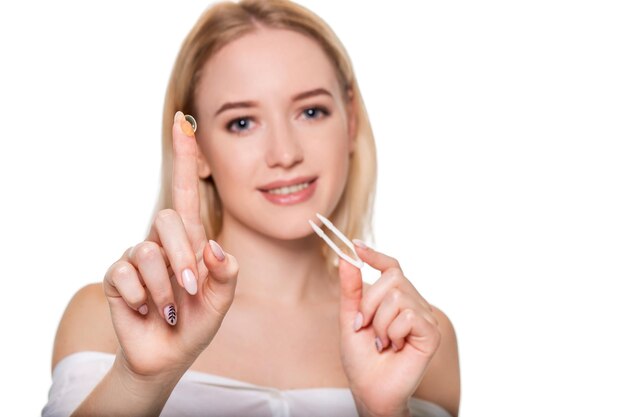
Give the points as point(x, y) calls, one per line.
point(223, 270)
point(351, 293)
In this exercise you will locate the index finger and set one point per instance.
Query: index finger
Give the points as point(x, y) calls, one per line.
point(373, 258)
point(185, 182)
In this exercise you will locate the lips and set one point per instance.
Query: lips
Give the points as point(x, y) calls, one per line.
point(273, 193)
point(287, 183)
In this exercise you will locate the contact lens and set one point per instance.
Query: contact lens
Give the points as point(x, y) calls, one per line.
point(191, 121)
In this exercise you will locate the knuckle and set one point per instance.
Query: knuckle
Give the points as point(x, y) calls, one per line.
point(408, 315)
point(146, 251)
point(393, 276)
point(120, 270)
point(396, 274)
point(164, 216)
point(395, 295)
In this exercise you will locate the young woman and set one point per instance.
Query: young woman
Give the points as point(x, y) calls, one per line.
point(232, 306)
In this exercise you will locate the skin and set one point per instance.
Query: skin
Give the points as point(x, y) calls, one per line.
point(263, 309)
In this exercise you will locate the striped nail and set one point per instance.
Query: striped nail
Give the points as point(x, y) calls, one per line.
point(170, 314)
point(379, 344)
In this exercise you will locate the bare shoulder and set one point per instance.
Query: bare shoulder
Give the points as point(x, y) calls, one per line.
point(85, 325)
point(442, 382)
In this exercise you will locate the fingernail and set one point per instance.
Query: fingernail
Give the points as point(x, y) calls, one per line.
point(170, 314)
point(186, 127)
point(394, 347)
point(379, 344)
point(358, 321)
point(178, 115)
point(189, 281)
point(143, 309)
point(217, 250)
point(359, 243)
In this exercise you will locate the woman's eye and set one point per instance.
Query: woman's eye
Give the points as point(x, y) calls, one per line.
point(239, 125)
point(315, 112)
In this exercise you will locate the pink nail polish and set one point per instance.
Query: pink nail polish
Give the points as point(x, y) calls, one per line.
point(170, 314)
point(358, 321)
point(217, 250)
point(189, 281)
point(379, 344)
point(359, 243)
point(143, 310)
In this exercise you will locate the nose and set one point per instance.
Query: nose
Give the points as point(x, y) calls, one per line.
point(283, 147)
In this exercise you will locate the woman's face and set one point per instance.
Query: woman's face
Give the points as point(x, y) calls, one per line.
point(274, 130)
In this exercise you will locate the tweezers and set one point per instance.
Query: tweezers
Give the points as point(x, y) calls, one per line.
point(356, 262)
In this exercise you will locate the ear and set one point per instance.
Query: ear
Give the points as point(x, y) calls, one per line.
point(204, 170)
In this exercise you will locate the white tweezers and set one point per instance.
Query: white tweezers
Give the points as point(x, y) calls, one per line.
point(356, 262)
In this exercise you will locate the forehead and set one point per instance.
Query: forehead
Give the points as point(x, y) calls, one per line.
point(266, 62)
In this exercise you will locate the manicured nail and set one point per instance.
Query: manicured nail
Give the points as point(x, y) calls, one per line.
point(170, 314)
point(379, 344)
point(186, 128)
point(217, 250)
point(394, 347)
point(143, 309)
point(359, 243)
point(189, 281)
point(178, 115)
point(358, 321)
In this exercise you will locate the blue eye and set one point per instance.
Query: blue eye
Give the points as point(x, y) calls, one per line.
point(239, 125)
point(315, 112)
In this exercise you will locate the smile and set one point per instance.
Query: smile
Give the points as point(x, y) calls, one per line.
point(287, 195)
point(288, 190)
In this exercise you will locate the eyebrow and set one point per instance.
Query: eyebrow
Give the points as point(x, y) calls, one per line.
point(310, 93)
point(236, 105)
point(248, 104)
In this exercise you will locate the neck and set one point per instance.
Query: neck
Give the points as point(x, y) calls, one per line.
point(286, 272)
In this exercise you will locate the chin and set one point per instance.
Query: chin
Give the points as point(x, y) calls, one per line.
point(290, 226)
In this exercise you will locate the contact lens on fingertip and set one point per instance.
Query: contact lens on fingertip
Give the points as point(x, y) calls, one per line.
point(191, 121)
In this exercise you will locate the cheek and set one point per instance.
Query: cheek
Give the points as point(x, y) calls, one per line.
point(334, 159)
point(231, 168)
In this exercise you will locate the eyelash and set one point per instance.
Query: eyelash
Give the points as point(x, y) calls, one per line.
point(231, 126)
point(323, 110)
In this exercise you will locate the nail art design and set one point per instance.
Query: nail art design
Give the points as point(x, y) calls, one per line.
point(170, 314)
point(379, 344)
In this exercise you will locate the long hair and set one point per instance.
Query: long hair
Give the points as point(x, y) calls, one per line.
point(226, 21)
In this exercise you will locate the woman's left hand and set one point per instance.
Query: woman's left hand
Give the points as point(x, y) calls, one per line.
point(388, 336)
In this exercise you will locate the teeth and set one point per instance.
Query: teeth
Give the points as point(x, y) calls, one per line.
point(290, 189)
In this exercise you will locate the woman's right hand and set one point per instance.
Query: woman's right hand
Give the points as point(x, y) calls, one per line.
point(169, 294)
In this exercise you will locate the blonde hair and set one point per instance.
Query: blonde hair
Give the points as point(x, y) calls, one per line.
point(224, 22)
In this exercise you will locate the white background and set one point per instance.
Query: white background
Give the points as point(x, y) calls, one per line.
point(501, 130)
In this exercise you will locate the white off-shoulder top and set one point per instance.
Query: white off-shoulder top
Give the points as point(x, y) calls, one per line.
point(201, 394)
